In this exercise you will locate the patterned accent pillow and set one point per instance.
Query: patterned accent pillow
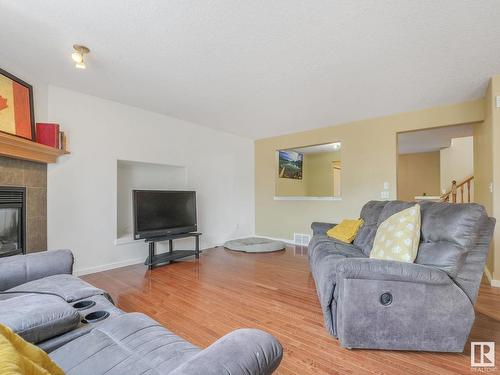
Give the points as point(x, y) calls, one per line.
point(398, 236)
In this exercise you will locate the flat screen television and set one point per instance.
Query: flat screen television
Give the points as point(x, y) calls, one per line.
point(163, 212)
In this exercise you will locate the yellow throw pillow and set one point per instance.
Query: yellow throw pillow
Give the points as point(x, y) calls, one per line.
point(19, 357)
point(345, 231)
point(398, 237)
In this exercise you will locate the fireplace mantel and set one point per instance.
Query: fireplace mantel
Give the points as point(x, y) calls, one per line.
point(20, 148)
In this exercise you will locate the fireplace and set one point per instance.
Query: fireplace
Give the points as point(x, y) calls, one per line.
point(12, 220)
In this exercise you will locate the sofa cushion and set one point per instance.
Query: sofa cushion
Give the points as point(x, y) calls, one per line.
point(366, 234)
point(19, 269)
point(68, 287)
point(322, 245)
point(444, 255)
point(391, 208)
point(128, 344)
point(101, 304)
point(38, 317)
point(455, 223)
point(448, 233)
point(320, 228)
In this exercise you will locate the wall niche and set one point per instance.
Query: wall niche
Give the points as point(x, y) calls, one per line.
point(133, 175)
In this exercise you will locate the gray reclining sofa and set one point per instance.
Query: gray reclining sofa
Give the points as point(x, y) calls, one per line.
point(426, 305)
point(84, 333)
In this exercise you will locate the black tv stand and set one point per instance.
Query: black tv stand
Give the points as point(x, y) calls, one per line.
point(154, 260)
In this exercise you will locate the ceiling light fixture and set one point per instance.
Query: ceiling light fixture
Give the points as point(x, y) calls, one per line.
point(77, 55)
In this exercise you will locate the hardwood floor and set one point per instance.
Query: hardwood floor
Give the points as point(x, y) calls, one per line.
point(203, 300)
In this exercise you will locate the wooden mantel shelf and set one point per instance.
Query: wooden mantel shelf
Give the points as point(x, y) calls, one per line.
point(20, 148)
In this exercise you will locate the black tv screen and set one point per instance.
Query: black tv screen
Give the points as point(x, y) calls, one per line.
point(163, 212)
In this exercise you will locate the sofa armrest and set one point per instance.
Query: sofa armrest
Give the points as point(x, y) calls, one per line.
point(400, 306)
point(20, 269)
point(321, 228)
point(241, 352)
point(388, 270)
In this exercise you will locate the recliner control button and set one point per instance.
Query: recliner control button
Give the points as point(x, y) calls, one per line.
point(386, 299)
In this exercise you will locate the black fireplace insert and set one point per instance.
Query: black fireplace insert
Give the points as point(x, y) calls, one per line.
point(12, 220)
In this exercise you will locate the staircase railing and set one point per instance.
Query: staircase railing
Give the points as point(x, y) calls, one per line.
point(451, 196)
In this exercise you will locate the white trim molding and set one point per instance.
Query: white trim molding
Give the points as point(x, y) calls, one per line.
point(290, 242)
point(109, 266)
point(125, 263)
point(493, 282)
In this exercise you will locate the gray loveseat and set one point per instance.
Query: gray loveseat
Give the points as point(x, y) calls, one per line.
point(426, 305)
point(86, 334)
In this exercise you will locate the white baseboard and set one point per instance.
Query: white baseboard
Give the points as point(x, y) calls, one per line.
point(285, 240)
point(234, 238)
point(495, 283)
point(491, 280)
point(108, 266)
point(288, 241)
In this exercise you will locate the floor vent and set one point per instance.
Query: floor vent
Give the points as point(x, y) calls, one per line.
point(301, 239)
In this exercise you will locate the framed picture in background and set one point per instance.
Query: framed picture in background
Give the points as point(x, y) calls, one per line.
point(16, 106)
point(290, 164)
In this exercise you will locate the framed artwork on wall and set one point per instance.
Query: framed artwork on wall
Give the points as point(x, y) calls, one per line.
point(16, 106)
point(290, 164)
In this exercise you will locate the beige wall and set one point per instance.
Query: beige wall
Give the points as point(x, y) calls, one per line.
point(483, 157)
point(289, 187)
point(368, 160)
point(487, 167)
point(418, 174)
point(320, 173)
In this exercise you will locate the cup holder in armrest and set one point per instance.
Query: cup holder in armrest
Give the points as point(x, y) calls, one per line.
point(83, 305)
point(95, 316)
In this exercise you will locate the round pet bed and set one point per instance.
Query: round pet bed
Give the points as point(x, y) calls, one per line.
point(255, 245)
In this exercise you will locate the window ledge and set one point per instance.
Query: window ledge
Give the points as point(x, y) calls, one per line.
point(304, 198)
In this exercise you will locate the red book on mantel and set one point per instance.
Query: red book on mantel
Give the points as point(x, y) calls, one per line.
point(47, 134)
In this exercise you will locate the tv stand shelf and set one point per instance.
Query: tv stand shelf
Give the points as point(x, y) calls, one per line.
point(154, 259)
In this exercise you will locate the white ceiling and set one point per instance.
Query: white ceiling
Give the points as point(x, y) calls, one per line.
point(260, 68)
point(432, 139)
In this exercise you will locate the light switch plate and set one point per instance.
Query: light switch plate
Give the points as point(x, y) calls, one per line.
point(497, 101)
point(386, 185)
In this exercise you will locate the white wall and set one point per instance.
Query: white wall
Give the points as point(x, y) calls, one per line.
point(82, 187)
point(457, 161)
point(133, 175)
